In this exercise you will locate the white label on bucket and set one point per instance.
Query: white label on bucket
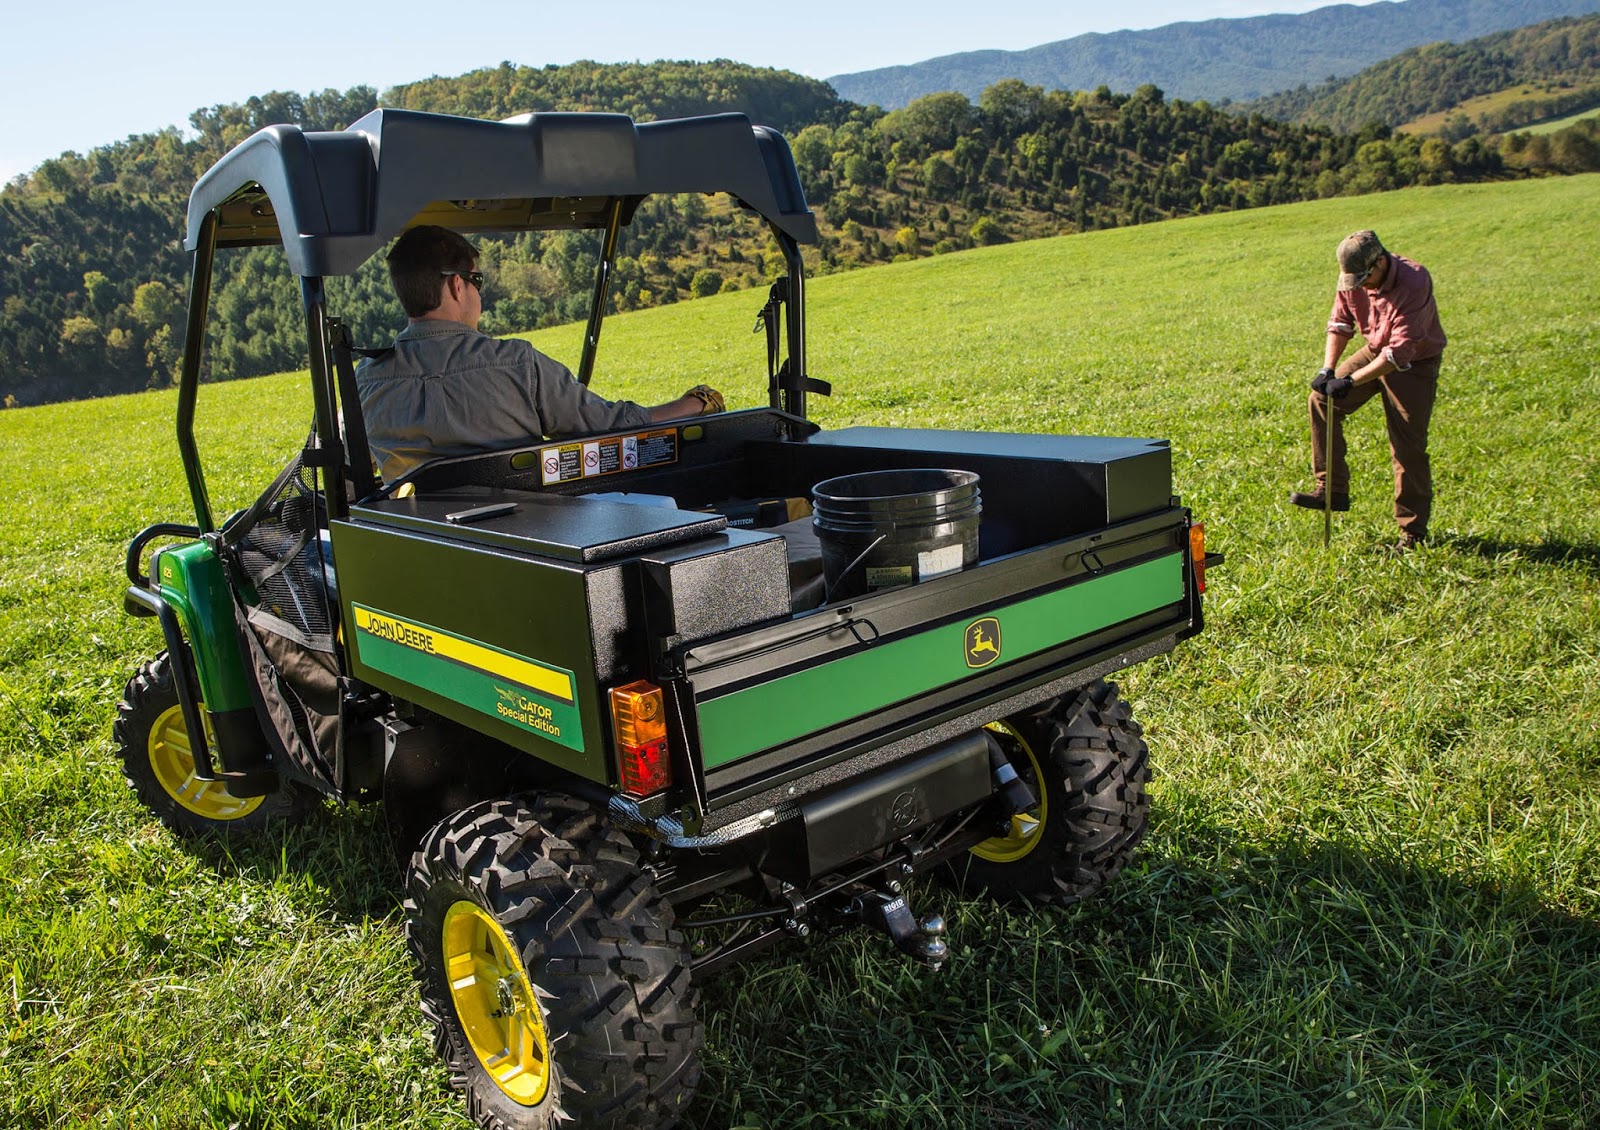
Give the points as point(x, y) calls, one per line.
point(937, 562)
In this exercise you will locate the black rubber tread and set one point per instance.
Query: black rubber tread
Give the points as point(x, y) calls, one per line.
point(150, 694)
point(596, 939)
point(1096, 767)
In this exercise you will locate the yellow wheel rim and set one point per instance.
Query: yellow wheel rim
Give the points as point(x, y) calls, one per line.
point(1026, 827)
point(495, 1003)
point(172, 760)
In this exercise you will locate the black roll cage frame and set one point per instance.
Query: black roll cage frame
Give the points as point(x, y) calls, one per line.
point(282, 178)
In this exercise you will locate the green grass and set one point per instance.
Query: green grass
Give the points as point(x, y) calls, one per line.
point(1371, 897)
point(1560, 124)
point(1475, 109)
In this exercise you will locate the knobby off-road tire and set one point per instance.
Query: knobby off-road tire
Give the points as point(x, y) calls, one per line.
point(1088, 765)
point(157, 754)
point(556, 984)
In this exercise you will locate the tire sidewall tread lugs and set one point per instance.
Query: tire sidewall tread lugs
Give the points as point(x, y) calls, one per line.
point(597, 940)
point(1096, 767)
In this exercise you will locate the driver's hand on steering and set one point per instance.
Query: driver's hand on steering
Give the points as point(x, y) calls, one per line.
point(709, 397)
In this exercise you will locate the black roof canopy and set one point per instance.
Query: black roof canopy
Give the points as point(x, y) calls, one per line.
point(334, 199)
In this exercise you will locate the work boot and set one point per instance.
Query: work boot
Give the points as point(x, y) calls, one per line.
point(1408, 540)
point(1315, 501)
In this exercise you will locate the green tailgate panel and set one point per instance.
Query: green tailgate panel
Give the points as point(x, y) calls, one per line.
point(534, 696)
point(785, 709)
point(514, 661)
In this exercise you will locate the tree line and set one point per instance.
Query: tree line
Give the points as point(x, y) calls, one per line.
point(93, 278)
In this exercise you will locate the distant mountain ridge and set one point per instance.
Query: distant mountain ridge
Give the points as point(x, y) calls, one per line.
point(1551, 68)
point(1222, 59)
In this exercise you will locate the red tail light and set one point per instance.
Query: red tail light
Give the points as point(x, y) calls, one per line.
point(639, 724)
point(1197, 551)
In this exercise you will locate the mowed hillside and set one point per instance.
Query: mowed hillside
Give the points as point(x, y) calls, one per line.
point(1370, 891)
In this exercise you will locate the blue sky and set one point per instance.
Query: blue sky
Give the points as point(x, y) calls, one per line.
point(94, 71)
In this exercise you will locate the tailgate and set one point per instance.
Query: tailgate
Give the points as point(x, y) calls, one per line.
point(784, 700)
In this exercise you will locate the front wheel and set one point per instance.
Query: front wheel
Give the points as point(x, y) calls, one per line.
point(157, 754)
point(1086, 762)
point(556, 985)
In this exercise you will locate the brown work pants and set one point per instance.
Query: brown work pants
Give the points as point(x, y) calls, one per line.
point(1407, 407)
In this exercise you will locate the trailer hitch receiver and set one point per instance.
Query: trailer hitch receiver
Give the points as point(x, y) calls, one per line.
point(924, 940)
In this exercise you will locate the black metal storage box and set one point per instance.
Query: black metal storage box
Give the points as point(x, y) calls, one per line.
point(1036, 488)
point(552, 615)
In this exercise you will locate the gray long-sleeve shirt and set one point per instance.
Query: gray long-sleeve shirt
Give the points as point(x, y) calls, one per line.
point(448, 389)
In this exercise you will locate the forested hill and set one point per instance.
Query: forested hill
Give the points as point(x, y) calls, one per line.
point(1558, 62)
point(93, 277)
point(92, 272)
point(644, 91)
point(1236, 59)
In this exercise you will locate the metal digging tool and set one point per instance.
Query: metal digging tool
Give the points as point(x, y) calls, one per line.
point(1327, 475)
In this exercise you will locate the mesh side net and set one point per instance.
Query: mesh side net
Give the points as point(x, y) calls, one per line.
point(280, 545)
point(285, 558)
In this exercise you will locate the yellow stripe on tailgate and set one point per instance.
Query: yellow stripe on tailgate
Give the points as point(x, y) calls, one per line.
point(490, 661)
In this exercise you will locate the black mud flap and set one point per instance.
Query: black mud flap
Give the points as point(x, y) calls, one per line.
point(851, 820)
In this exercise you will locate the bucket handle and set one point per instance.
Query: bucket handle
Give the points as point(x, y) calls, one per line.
point(827, 593)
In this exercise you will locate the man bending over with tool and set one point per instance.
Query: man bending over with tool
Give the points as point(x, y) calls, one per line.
point(447, 389)
point(1389, 300)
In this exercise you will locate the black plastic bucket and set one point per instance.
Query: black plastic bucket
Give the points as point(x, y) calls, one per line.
point(883, 529)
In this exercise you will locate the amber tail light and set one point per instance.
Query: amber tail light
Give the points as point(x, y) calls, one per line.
point(1197, 551)
point(639, 724)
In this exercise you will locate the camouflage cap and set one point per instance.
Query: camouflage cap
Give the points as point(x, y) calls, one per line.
point(1357, 254)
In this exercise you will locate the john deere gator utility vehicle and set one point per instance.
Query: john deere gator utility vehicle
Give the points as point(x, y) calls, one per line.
point(633, 715)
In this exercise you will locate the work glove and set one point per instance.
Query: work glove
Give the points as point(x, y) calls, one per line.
point(1319, 383)
point(709, 397)
point(1338, 387)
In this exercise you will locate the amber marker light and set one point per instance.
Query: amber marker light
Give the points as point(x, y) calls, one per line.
point(639, 724)
point(1197, 551)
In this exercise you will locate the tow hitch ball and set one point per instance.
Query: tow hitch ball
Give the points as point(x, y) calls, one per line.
point(924, 940)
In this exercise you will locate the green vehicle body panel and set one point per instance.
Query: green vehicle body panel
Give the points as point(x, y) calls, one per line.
point(791, 706)
point(526, 611)
point(491, 680)
point(191, 581)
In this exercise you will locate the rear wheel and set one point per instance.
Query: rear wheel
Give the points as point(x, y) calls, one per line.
point(550, 970)
point(157, 753)
point(1086, 762)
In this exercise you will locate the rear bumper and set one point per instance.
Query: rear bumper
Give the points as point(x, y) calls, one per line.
point(850, 820)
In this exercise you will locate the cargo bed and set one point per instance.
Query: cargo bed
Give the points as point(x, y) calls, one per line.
point(680, 571)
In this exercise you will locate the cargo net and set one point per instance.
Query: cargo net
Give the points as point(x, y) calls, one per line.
point(284, 553)
point(281, 546)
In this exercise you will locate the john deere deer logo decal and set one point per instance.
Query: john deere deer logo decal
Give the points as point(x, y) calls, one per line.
point(983, 642)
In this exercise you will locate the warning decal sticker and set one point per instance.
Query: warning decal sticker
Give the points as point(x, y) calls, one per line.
point(563, 462)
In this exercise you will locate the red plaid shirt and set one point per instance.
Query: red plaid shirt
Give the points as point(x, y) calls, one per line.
point(1398, 320)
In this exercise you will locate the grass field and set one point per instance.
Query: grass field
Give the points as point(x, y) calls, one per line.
point(1475, 108)
point(1371, 896)
point(1562, 123)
